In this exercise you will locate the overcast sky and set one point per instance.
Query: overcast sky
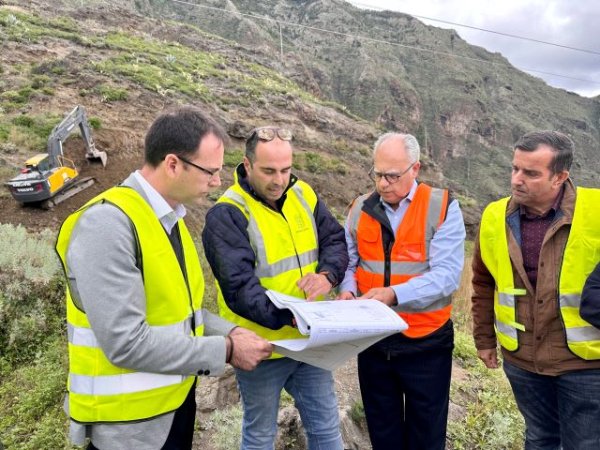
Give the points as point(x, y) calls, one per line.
point(572, 23)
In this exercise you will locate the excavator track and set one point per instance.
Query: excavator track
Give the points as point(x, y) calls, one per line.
point(74, 187)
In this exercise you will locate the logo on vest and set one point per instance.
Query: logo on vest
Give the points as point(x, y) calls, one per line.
point(301, 224)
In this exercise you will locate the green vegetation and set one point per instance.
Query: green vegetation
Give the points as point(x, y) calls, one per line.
point(112, 94)
point(27, 28)
point(357, 412)
point(465, 202)
point(318, 163)
point(32, 341)
point(226, 426)
point(28, 133)
point(492, 420)
point(232, 157)
point(95, 123)
point(167, 68)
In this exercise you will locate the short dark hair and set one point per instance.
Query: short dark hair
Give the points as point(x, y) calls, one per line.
point(179, 131)
point(251, 144)
point(561, 145)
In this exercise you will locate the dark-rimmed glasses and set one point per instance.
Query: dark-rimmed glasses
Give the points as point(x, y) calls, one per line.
point(391, 178)
point(267, 134)
point(211, 172)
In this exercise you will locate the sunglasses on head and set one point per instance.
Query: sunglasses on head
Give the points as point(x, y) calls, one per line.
point(269, 133)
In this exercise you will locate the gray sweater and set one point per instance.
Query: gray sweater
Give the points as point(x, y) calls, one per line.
point(102, 267)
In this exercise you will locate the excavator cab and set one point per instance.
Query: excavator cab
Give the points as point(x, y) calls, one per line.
point(49, 178)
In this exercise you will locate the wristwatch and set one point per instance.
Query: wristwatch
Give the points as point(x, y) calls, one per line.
point(330, 277)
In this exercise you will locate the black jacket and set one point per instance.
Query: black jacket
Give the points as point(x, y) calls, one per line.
point(232, 259)
point(590, 299)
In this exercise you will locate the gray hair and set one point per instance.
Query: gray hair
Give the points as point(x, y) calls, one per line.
point(413, 150)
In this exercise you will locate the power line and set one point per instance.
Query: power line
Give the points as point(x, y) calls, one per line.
point(378, 41)
point(515, 36)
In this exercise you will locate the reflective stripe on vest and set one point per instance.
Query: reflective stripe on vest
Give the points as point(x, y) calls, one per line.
point(409, 255)
point(581, 255)
point(127, 383)
point(100, 391)
point(494, 253)
point(263, 269)
point(285, 245)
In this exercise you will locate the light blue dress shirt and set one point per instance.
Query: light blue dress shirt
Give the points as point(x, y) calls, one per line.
point(446, 258)
point(168, 216)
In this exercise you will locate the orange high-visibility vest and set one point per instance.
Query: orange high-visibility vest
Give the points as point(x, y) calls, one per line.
point(409, 255)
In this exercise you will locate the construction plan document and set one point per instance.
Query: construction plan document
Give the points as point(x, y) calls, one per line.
point(336, 330)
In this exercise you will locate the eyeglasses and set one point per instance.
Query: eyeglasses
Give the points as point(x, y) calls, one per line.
point(391, 178)
point(211, 172)
point(267, 134)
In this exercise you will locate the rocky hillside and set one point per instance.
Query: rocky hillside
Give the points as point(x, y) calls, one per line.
point(125, 68)
point(466, 105)
point(127, 60)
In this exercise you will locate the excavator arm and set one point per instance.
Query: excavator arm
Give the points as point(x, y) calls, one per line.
point(77, 117)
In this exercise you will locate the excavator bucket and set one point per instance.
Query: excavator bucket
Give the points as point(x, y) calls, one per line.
point(97, 155)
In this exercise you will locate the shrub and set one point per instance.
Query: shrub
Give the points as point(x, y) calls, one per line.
point(39, 81)
point(112, 94)
point(95, 123)
point(492, 420)
point(233, 157)
point(357, 412)
point(31, 298)
point(23, 120)
point(32, 341)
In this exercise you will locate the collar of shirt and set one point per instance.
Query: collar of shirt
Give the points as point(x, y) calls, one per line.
point(168, 216)
point(395, 216)
point(553, 209)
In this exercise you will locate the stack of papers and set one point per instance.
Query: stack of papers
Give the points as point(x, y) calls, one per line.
point(336, 330)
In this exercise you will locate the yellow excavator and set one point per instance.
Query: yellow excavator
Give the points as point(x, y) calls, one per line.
point(49, 178)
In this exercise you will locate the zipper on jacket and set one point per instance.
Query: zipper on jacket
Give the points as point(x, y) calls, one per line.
point(388, 264)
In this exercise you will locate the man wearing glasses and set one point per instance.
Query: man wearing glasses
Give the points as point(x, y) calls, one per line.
point(271, 231)
point(138, 337)
point(405, 242)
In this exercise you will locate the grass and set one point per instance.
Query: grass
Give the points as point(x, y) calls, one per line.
point(318, 163)
point(33, 362)
point(226, 426)
point(28, 133)
point(492, 420)
point(167, 68)
point(112, 94)
point(233, 156)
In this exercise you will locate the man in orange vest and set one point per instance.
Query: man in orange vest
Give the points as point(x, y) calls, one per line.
point(406, 248)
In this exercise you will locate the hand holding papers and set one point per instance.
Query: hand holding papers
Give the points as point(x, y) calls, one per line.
point(337, 329)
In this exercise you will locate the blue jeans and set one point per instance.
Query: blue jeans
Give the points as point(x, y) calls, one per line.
point(314, 396)
point(561, 411)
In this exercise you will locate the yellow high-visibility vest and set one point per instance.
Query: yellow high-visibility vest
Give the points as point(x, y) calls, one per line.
point(100, 391)
point(286, 247)
point(581, 255)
